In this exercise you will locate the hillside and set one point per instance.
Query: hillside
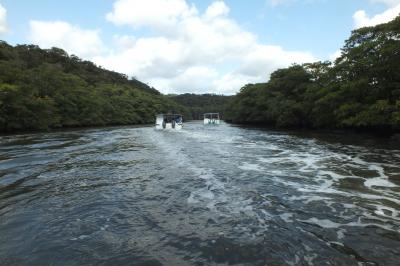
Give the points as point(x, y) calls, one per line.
point(198, 104)
point(43, 89)
point(360, 90)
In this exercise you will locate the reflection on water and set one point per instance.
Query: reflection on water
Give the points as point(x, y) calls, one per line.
point(204, 195)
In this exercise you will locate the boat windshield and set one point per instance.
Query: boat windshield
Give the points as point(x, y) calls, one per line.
point(173, 117)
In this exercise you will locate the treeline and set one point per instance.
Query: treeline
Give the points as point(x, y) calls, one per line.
point(360, 90)
point(203, 103)
point(43, 89)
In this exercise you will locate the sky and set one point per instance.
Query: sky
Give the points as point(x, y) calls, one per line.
point(193, 46)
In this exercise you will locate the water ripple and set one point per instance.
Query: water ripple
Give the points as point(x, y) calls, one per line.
point(204, 195)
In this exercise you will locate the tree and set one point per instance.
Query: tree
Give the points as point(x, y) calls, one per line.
point(44, 89)
point(361, 90)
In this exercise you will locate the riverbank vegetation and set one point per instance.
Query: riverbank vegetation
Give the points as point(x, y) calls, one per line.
point(203, 103)
point(43, 89)
point(360, 90)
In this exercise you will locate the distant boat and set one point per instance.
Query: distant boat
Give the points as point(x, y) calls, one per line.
point(169, 121)
point(211, 119)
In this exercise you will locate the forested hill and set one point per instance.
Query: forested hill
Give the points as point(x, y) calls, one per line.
point(42, 89)
point(360, 90)
point(203, 103)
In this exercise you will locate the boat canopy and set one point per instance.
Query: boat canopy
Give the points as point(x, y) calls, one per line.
point(211, 115)
point(171, 117)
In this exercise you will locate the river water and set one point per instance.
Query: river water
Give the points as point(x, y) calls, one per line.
point(206, 195)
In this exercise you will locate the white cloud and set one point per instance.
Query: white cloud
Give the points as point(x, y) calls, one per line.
point(264, 59)
point(191, 80)
point(361, 19)
point(275, 3)
point(147, 58)
point(335, 55)
point(123, 42)
point(154, 13)
point(387, 2)
point(217, 9)
point(232, 82)
point(73, 39)
point(189, 49)
point(3, 20)
point(280, 2)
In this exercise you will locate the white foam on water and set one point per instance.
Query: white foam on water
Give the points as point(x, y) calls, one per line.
point(305, 162)
point(103, 228)
point(387, 212)
point(325, 223)
point(378, 182)
point(378, 197)
point(309, 199)
point(180, 159)
point(309, 163)
point(310, 259)
point(326, 181)
point(380, 212)
point(81, 237)
point(381, 180)
point(192, 199)
point(358, 160)
point(314, 171)
point(348, 205)
point(206, 194)
point(330, 168)
point(211, 136)
point(340, 233)
point(251, 167)
point(271, 160)
point(328, 224)
point(287, 217)
point(243, 206)
point(214, 192)
point(333, 175)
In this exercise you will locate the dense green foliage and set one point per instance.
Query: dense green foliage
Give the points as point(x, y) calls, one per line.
point(43, 89)
point(361, 89)
point(204, 103)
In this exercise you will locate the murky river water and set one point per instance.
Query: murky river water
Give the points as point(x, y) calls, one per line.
point(202, 196)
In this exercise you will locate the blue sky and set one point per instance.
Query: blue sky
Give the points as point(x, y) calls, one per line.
point(192, 46)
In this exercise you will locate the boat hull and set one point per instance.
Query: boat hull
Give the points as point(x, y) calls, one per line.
point(208, 121)
point(168, 126)
point(165, 122)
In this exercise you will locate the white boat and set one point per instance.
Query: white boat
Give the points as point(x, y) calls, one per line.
point(169, 121)
point(211, 119)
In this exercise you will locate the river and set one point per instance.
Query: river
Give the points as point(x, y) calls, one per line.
point(205, 195)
